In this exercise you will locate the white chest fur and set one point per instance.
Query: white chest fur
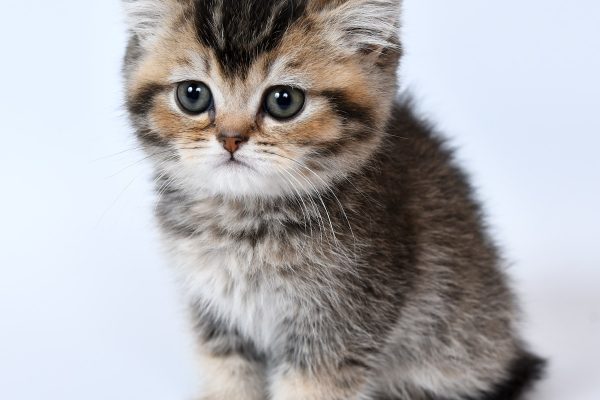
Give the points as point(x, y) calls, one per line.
point(237, 284)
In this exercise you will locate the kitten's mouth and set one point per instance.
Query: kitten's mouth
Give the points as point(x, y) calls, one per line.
point(235, 163)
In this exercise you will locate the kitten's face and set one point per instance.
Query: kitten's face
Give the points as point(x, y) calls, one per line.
point(260, 98)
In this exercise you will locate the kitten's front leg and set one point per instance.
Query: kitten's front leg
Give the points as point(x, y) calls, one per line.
point(289, 383)
point(231, 377)
point(231, 368)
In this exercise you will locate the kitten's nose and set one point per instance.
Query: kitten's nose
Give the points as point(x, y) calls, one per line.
point(232, 141)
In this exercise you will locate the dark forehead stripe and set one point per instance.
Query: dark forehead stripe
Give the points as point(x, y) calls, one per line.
point(240, 30)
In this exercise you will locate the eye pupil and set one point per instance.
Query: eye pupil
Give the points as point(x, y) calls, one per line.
point(194, 92)
point(284, 99)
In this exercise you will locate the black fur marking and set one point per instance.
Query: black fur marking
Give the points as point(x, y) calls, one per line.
point(353, 362)
point(240, 30)
point(141, 103)
point(348, 109)
point(253, 236)
point(222, 341)
point(523, 373)
point(152, 138)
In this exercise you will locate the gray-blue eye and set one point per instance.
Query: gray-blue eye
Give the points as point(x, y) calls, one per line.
point(194, 97)
point(284, 102)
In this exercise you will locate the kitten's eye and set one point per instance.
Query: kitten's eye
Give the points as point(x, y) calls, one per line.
point(194, 97)
point(284, 102)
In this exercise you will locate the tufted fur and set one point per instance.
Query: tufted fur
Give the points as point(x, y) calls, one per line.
point(346, 258)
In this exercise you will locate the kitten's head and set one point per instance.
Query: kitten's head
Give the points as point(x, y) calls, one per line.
point(260, 98)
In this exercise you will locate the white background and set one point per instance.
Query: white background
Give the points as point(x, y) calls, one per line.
point(88, 309)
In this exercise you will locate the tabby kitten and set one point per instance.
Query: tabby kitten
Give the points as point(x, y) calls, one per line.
point(327, 243)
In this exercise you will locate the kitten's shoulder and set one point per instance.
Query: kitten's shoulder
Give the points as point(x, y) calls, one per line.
point(415, 152)
point(418, 169)
point(413, 137)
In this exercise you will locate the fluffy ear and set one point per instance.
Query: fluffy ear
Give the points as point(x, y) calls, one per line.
point(360, 24)
point(146, 17)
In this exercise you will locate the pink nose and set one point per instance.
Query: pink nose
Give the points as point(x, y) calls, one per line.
point(232, 143)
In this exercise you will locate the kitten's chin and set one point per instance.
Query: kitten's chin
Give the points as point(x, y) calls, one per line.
point(240, 178)
point(248, 177)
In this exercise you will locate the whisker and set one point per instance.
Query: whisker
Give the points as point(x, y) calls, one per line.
point(140, 161)
point(305, 211)
point(138, 148)
point(330, 190)
point(116, 200)
point(298, 199)
point(320, 198)
point(315, 206)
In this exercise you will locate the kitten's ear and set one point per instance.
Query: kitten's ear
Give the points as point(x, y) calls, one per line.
point(146, 17)
point(362, 24)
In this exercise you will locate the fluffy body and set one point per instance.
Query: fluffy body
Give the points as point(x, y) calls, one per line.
point(342, 255)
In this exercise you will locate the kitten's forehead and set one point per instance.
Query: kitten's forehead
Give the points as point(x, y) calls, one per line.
point(239, 31)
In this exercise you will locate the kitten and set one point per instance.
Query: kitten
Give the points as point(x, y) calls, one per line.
point(327, 243)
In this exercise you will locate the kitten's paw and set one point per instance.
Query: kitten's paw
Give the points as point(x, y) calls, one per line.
point(232, 378)
point(296, 385)
point(233, 394)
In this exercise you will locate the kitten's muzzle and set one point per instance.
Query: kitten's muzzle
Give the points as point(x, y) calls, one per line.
point(232, 141)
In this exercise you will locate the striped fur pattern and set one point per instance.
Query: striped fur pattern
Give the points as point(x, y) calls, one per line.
point(342, 256)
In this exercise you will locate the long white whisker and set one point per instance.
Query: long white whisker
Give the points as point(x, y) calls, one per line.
point(322, 229)
point(316, 191)
point(305, 211)
point(336, 199)
point(328, 188)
